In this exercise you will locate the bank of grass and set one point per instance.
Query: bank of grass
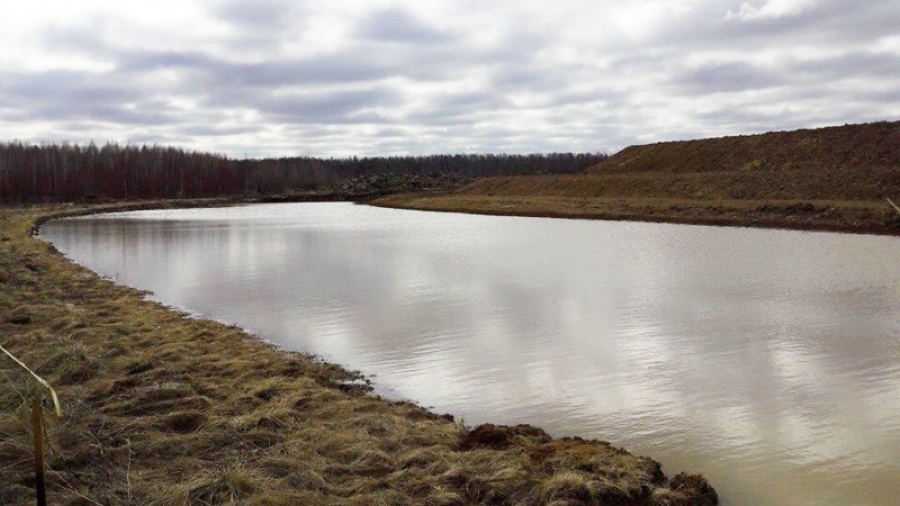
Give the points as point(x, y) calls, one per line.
point(165, 409)
point(835, 178)
point(872, 217)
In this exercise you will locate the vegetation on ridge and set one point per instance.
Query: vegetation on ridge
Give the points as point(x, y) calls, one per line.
point(833, 178)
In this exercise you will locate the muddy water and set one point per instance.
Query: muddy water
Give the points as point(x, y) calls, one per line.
point(767, 360)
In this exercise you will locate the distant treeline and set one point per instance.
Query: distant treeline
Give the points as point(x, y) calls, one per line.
point(66, 172)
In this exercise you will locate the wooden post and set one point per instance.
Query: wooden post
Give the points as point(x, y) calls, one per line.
point(40, 488)
point(37, 415)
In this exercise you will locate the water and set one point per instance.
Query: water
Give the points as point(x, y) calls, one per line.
point(767, 360)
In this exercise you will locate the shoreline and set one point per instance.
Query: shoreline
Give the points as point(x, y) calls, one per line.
point(163, 407)
point(800, 215)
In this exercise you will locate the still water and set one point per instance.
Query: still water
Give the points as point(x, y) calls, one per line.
point(767, 360)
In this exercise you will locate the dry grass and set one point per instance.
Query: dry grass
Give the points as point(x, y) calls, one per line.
point(162, 409)
point(874, 217)
point(827, 179)
point(851, 156)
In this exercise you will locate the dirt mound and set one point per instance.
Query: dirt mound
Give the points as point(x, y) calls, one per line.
point(501, 437)
point(834, 148)
point(589, 471)
point(858, 162)
point(835, 178)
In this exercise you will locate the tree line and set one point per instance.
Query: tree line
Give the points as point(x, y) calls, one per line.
point(70, 172)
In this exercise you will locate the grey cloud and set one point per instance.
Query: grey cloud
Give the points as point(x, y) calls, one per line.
point(829, 23)
point(136, 117)
point(889, 96)
point(460, 108)
point(142, 60)
point(857, 64)
point(740, 76)
point(209, 131)
point(350, 69)
point(263, 15)
point(330, 107)
point(454, 103)
point(437, 82)
point(532, 76)
point(399, 26)
point(63, 86)
point(289, 72)
point(839, 20)
point(156, 139)
point(726, 77)
point(610, 98)
point(64, 94)
point(259, 27)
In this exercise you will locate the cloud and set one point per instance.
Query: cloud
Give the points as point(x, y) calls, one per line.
point(355, 77)
point(725, 77)
point(329, 107)
point(259, 15)
point(772, 9)
point(396, 25)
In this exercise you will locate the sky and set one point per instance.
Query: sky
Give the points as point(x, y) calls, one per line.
point(377, 77)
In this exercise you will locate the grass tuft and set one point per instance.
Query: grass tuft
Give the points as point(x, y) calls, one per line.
point(219, 487)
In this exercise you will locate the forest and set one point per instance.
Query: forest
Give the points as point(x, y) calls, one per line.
point(65, 172)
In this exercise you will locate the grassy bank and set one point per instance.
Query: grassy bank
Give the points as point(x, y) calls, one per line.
point(161, 408)
point(835, 178)
point(872, 217)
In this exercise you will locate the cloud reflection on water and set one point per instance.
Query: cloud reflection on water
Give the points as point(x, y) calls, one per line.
point(765, 359)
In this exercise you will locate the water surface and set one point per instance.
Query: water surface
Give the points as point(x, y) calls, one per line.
point(767, 360)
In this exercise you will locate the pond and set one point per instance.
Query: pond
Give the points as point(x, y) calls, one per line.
point(767, 360)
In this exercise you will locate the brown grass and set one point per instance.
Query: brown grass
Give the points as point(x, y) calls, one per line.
point(827, 179)
point(840, 152)
point(163, 409)
point(845, 216)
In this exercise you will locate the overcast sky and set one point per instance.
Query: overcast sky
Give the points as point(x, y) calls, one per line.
point(370, 77)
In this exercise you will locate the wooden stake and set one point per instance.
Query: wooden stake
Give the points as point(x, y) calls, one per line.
point(40, 488)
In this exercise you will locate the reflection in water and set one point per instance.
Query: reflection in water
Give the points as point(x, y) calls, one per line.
point(767, 360)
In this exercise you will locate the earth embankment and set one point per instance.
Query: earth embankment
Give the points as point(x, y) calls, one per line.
point(836, 178)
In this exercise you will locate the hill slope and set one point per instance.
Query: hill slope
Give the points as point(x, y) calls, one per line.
point(833, 148)
point(832, 178)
